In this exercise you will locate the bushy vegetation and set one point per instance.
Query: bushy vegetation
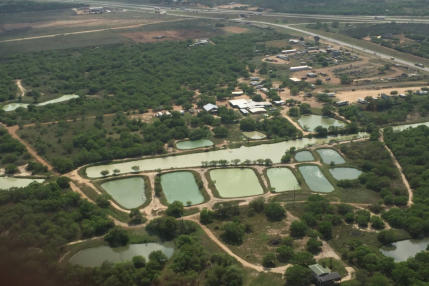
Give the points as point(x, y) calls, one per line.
point(10, 6)
point(12, 153)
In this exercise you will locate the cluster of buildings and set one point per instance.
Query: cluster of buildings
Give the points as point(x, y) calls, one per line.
point(247, 106)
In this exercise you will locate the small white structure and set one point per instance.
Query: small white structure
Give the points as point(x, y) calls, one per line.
point(279, 102)
point(248, 104)
point(311, 74)
point(244, 111)
point(256, 110)
point(209, 107)
point(294, 79)
point(237, 93)
point(294, 41)
point(299, 68)
point(291, 51)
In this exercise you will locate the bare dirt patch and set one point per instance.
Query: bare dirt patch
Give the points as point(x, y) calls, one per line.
point(235, 29)
point(165, 35)
point(232, 6)
point(353, 96)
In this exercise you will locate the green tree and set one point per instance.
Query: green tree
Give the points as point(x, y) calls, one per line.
point(284, 253)
point(175, 209)
point(233, 233)
point(117, 237)
point(206, 216)
point(269, 260)
point(274, 211)
point(314, 246)
point(298, 229)
point(298, 275)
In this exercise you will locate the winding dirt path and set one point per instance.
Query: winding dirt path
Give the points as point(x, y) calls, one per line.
point(398, 166)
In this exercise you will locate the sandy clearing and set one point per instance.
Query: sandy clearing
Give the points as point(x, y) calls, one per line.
point(164, 35)
point(353, 96)
point(232, 6)
point(21, 89)
point(235, 29)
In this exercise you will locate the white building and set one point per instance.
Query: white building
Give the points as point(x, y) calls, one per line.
point(237, 93)
point(300, 68)
point(289, 51)
point(212, 108)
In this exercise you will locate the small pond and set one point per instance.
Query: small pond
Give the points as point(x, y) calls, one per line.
point(13, 106)
point(330, 155)
point(7, 183)
point(406, 126)
point(236, 182)
point(315, 179)
point(95, 256)
point(182, 187)
point(186, 145)
point(282, 179)
point(304, 156)
point(404, 249)
point(345, 173)
point(128, 192)
point(254, 135)
point(310, 122)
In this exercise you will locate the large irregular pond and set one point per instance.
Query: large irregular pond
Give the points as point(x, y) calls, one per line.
point(128, 192)
point(330, 155)
point(304, 156)
point(345, 173)
point(95, 256)
point(182, 187)
point(310, 122)
point(236, 182)
point(187, 145)
point(404, 249)
point(315, 179)
point(254, 135)
point(264, 151)
point(7, 183)
point(14, 106)
point(282, 179)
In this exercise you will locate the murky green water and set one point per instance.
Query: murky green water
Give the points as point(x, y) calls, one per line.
point(330, 155)
point(345, 173)
point(272, 151)
point(236, 182)
point(282, 179)
point(187, 145)
point(405, 249)
point(315, 179)
point(11, 182)
point(254, 135)
point(310, 122)
point(128, 192)
point(182, 187)
point(304, 156)
point(95, 256)
point(14, 106)
point(406, 126)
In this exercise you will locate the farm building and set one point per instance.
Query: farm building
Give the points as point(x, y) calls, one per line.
point(210, 108)
point(342, 103)
point(291, 51)
point(294, 41)
point(311, 75)
point(237, 93)
point(300, 68)
point(294, 79)
point(323, 276)
point(256, 110)
point(250, 105)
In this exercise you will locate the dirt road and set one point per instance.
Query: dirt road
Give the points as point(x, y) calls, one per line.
point(21, 89)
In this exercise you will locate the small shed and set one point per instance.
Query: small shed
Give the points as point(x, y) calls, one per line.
point(323, 276)
point(212, 108)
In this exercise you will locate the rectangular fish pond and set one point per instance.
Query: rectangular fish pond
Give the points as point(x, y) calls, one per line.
point(304, 156)
point(330, 155)
point(282, 180)
point(181, 186)
point(95, 256)
point(7, 183)
point(236, 182)
point(128, 192)
point(315, 179)
point(345, 173)
point(188, 144)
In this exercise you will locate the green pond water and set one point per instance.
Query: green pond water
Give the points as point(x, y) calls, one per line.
point(304, 156)
point(406, 126)
point(254, 135)
point(263, 151)
point(282, 179)
point(404, 249)
point(236, 182)
point(330, 155)
point(128, 192)
point(315, 179)
point(187, 145)
point(14, 106)
point(7, 183)
point(345, 173)
point(182, 187)
point(310, 122)
point(95, 256)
